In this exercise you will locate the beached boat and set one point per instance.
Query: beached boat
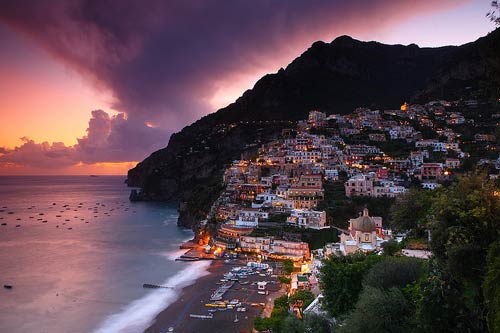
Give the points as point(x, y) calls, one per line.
point(210, 316)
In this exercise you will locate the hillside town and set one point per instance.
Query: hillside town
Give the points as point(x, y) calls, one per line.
point(284, 182)
point(273, 198)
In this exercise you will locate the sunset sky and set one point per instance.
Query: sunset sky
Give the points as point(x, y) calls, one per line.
point(91, 87)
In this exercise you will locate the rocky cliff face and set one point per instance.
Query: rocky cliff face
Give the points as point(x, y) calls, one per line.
point(190, 169)
point(333, 77)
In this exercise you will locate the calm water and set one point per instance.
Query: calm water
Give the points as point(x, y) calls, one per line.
point(88, 278)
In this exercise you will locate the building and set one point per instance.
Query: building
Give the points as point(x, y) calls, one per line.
point(317, 119)
point(484, 137)
point(386, 188)
point(306, 156)
point(364, 234)
point(305, 218)
point(272, 248)
point(431, 171)
point(299, 282)
point(452, 163)
point(360, 185)
point(331, 174)
point(249, 217)
point(228, 236)
point(307, 192)
point(379, 137)
point(430, 186)
point(434, 144)
point(264, 199)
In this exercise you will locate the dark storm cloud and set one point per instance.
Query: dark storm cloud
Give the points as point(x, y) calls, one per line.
point(163, 61)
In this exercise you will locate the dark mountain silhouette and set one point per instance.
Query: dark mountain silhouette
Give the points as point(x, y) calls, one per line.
point(332, 77)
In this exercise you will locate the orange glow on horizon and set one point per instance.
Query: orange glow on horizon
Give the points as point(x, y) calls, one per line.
point(80, 169)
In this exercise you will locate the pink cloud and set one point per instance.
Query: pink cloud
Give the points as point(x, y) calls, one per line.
point(108, 139)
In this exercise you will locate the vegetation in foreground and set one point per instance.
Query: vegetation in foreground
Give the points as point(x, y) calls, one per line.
point(457, 290)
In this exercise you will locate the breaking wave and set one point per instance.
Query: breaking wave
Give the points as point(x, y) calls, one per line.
point(138, 315)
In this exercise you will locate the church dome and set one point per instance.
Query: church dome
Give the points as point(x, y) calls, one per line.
point(364, 223)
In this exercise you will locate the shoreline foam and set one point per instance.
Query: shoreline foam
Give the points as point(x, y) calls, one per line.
point(139, 314)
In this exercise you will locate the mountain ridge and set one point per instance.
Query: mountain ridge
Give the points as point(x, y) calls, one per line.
point(332, 77)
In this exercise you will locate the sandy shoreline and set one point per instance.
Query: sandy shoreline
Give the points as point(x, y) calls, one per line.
point(193, 298)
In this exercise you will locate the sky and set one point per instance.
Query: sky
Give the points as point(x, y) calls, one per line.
point(93, 87)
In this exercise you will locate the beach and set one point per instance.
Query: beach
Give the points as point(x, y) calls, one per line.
point(194, 297)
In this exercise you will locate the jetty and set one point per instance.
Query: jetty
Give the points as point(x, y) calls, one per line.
point(154, 286)
point(217, 295)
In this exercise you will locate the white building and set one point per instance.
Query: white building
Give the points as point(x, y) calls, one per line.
point(249, 217)
point(306, 218)
point(364, 235)
point(264, 200)
point(331, 174)
point(430, 186)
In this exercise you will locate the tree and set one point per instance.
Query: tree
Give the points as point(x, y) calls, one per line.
point(465, 224)
point(341, 280)
point(390, 247)
point(379, 311)
point(411, 210)
point(276, 321)
point(317, 323)
point(491, 287)
point(494, 14)
point(394, 272)
point(288, 266)
point(293, 325)
point(305, 296)
point(444, 306)
point(284, 279)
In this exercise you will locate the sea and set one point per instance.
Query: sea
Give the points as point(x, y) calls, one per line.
point(77, 252)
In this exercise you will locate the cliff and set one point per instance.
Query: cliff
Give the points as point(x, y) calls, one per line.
point(332, 77)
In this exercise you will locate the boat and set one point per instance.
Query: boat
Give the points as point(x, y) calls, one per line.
point(210, 316)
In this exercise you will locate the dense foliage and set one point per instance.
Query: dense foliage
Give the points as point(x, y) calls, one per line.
point(457, 290)
point(341, 279)
point(282, 320)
